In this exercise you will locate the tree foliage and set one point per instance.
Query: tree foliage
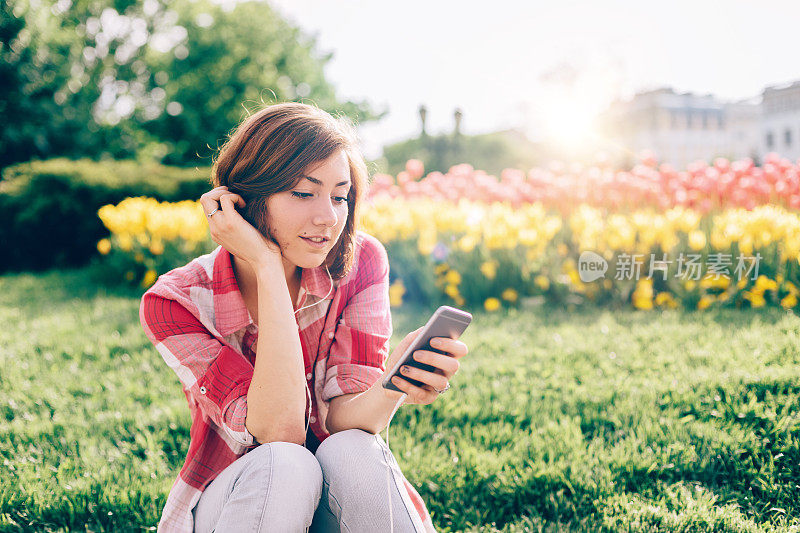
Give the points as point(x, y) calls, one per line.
point(154, 79)
point(491, 152)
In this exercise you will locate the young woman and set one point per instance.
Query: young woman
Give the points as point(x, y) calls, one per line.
point(280, 338)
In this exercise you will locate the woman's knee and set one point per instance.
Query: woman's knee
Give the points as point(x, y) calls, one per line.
point(346, 452)
point(291, 470)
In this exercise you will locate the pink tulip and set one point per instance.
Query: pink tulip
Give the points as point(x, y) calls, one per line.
point(415, 168)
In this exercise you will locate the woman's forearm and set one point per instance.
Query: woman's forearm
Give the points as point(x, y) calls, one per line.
point(369, 410)
point(276, 399)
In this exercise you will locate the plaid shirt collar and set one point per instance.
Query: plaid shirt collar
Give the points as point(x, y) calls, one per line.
point(229, 307)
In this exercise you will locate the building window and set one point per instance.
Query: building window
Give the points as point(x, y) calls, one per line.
point(769, 140)
point(787, 135)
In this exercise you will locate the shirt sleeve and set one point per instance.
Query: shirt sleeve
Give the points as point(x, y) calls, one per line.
point(217, 375)
point(361, 343)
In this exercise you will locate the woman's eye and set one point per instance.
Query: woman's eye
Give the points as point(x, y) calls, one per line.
point(339, 199)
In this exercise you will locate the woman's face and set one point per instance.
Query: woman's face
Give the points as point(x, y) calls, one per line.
point(316, 206)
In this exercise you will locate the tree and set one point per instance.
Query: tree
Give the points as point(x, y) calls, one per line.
point(491, 152)
point(161, 79)
point(213, 74)
point(32, 122)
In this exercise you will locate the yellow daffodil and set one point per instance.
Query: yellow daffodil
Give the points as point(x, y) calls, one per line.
point(396, 292)
point(643, 303)
point(705, 302)
point(763, 283)
point(509, 295)
point(125, 242)
point(104, 246)
point(697, 240)
point(489, 269)
point(440, 268)
point(710, 281)
point(156, 247)
point(467, 243)
point(149, 278)
point(789, 301)
point(642, 297)
point(542, 282)
point(453, 277)
point(755, 298)
point(491, 304)
point(665, 299)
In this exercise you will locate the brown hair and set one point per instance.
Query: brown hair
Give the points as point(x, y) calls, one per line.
point(267, 154)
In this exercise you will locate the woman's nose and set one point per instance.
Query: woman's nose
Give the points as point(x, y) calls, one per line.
point(326, 214)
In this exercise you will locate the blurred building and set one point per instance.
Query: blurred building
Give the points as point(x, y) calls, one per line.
point(744, 130)
point(781, 120)
point(684, 127)
point(680, 127)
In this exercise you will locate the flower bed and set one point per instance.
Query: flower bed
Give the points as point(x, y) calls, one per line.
point(470, 240)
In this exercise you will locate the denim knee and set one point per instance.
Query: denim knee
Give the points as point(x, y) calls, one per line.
point(294, 476)
point(343, 454)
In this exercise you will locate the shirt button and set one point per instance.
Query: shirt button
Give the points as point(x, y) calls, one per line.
point(312, 419)
point(308, 376)
point(330, 334)
point(202, 390)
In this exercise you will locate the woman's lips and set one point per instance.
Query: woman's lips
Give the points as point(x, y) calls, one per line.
point(318, 245)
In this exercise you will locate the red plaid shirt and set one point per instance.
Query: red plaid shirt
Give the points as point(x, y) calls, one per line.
point(197, 320)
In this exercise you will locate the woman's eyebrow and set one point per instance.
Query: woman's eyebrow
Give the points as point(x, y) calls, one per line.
point(318, 182)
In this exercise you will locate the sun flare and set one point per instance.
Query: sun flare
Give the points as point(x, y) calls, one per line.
point(569, 121)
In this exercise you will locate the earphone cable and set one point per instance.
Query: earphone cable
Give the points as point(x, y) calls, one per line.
point(388, 465)
point(308, 391)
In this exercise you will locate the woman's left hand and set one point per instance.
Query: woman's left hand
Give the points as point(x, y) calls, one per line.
point(446, 367)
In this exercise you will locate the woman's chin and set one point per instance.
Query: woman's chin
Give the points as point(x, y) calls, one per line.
point(311, 260)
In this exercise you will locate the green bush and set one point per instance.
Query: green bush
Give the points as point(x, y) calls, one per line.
point(51, 206)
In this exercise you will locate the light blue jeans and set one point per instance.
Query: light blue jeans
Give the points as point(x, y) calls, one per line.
point(281, 486)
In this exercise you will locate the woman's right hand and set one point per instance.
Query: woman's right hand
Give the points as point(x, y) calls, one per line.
point(231, 231)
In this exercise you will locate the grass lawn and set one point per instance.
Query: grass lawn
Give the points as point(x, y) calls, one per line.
point(581, 420)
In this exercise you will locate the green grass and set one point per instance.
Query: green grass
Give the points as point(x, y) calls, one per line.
point(580, 420)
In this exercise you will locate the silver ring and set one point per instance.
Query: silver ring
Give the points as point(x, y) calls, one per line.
point(443, 390)
point(212, 212)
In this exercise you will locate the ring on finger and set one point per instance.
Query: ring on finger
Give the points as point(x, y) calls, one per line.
point(443, 390)
point(212, 212)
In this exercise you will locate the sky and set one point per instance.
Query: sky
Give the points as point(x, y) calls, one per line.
point(540, 66)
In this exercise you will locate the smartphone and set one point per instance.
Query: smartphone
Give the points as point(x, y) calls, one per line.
point(445, 322)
